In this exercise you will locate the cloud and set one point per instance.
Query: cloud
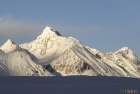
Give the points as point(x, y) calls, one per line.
point(19, 29)
point(101, 37)
point(23, 31)
point(15, 29)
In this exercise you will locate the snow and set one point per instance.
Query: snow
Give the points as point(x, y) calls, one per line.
point(15, 61)
point(47, 33)
point(3, 66)
point(48, 45)
point(52, 54)
point(24, 65)
point(9, 46)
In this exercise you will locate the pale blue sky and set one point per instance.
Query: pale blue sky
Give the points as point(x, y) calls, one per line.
point(106, 25)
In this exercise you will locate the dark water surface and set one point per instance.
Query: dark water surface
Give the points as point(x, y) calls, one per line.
point(69, 85)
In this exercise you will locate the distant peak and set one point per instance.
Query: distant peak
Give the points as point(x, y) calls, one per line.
point(124, 50)
point(49, 32)
point(48, 29)
point(9, 42)
point(8, 46)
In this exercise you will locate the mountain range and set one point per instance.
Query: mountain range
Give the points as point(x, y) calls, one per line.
point(52, 54)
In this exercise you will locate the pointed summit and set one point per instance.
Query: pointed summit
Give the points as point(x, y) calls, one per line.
point(49, 32)
point(125, 50)
point(9, 42)
point(8, 46)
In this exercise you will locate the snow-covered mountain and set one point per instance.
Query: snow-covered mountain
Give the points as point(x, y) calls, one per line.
point(15, 61)
point(52, 54)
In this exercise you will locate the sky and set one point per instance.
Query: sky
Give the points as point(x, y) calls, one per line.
point(106, 25)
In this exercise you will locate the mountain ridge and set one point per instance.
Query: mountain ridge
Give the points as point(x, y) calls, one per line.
point(57, 55)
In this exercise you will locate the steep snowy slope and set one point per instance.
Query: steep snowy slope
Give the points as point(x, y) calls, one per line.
point(52, 54)
point(21, 64)
point(67, 56)
point(9, 46)
point(79, 61)
point(123, 59)
point(16, 61)
point(4, 71)
point(49, 45)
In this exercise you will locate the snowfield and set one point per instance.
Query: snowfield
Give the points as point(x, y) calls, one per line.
point(51, 54)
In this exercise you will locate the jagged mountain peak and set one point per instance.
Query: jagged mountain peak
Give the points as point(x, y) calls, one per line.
point(49, 42)
point(67, 56)
point(9, 46)
point(9, 42)
point(125, 50)
point(49, 32)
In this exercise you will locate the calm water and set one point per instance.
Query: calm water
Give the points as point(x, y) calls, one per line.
point(69, 85)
